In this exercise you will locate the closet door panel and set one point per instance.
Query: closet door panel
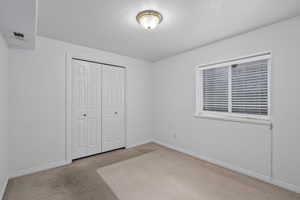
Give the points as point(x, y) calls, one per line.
point(94, 108)
point(113, 108)
point(86, 108)
point(79, 106)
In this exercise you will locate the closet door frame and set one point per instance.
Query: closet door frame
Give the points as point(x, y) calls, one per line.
point(68, 100)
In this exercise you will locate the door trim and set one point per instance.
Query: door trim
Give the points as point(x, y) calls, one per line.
point(68, 98)
point(99, 63)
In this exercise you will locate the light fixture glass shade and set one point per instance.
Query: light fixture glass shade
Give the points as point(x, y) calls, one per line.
point(149, 19)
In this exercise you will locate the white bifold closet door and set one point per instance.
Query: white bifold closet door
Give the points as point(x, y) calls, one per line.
point(86, 109)
point(98, 108)
point(113, 108)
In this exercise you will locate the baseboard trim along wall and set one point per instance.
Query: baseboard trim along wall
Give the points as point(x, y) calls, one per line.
point(2, 191)
point(246, 172)
point(58, 164)
point(243, 171)
point(32, 170)
point(285, 185)
point(139, 143)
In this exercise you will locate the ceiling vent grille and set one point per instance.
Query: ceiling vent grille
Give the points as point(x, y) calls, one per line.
point(18, 36)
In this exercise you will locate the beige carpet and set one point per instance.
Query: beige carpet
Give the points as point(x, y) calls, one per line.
point(77, 181)
point(169, 175)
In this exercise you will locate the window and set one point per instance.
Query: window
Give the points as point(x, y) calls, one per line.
point(238, 88)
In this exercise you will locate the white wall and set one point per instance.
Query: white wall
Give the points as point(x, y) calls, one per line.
point(37, 102)
point(3, 115)
point(242, 146)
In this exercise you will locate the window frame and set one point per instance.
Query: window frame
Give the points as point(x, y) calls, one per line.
point(252, 118)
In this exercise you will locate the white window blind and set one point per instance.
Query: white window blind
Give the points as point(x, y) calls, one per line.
point(215, 89)
point(250, 88)
point(238, 88)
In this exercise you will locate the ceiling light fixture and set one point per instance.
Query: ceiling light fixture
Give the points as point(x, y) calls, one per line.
point(149, 19)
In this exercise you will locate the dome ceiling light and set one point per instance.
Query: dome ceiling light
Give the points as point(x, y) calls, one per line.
point(149, 19)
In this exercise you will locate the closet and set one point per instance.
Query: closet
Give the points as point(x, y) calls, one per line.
point(98, 108)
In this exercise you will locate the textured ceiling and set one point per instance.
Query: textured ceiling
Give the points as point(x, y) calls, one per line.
point(111, 25)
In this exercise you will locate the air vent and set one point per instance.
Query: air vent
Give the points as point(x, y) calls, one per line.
point(18, 35)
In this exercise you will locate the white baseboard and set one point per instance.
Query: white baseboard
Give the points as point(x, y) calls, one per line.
point(31, 170)
point(51, 165)
point(3, 188)
point(246, 172)
point(285, 185)
point(264, 178)
point(138, 143)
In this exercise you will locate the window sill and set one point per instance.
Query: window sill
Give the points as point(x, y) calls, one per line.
point(234, 119)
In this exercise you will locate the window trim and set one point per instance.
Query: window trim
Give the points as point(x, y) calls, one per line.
point(229, 116)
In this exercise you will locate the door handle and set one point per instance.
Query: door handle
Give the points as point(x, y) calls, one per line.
point(84, 115)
